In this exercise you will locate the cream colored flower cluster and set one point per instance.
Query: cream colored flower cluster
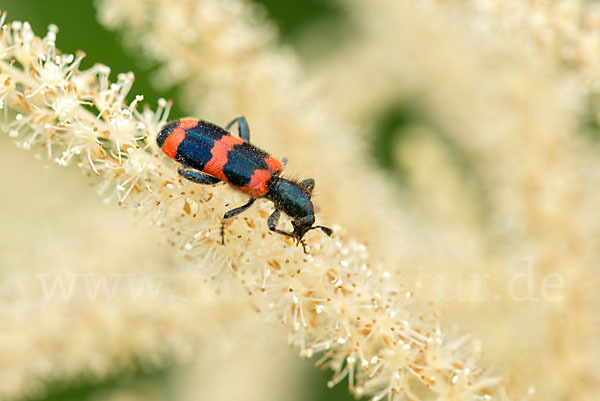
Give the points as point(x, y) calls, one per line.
point(355, 317)
point(507, 83)
point(226, 59)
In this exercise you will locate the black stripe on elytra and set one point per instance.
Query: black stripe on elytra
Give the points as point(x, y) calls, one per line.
point(252, 153)
point(208, 130)
point(195, 151)
point(238, 169)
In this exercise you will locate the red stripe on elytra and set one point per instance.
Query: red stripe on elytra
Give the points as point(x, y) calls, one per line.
point(170, 146)
point(188, 123)
point(177, 136)
point(274, 165)
point(258, 183)
point(219, 156)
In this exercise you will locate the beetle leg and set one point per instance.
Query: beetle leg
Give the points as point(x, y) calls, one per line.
point(272, 223)
point(273, 219)
point(197, 176)
point(232, 213)
point(243, 129)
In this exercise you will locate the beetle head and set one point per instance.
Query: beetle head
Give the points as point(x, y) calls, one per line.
point(293, 198)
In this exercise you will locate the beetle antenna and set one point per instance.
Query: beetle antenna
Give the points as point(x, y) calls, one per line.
point(326, 230)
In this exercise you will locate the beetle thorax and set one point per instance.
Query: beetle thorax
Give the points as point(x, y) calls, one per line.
point(289, 197)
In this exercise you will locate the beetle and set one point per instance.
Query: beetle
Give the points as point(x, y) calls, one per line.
point(209, 154)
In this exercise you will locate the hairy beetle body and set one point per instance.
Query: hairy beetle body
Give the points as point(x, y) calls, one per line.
point(209, 154)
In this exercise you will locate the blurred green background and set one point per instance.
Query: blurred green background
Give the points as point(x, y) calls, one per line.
point(103, 46)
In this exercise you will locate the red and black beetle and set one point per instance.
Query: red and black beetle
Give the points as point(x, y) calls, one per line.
point(209, 154)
